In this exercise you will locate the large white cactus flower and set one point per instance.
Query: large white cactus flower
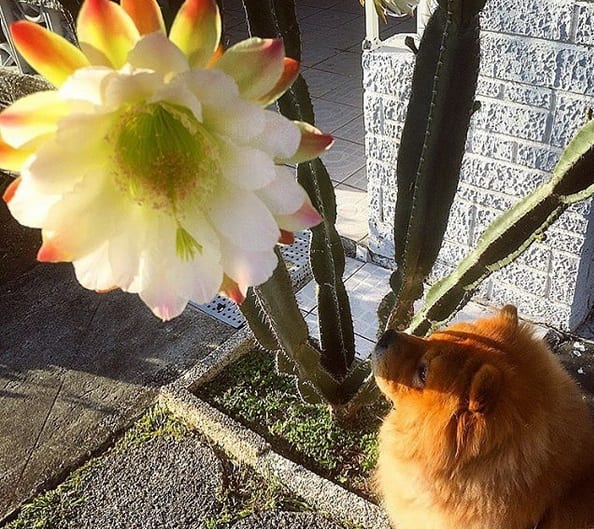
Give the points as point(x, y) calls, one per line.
point(154, 166)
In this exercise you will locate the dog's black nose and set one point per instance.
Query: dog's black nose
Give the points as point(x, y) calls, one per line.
point(387, 339)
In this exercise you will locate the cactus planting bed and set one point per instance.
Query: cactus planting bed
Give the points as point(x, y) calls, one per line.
point(253, 393)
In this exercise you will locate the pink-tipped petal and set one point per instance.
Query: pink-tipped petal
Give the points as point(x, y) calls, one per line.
point(12, 159)
point(231, 290)
point(287, 78)
point(32, 116)
point(196, 31)
point(51, 253)
point(51, 55)
point(305, 217)
point(106, 33)
point(146, 15)
point(255, 64)
point(313, 143)
point(246, 267)
point(287, 237)
point(11, 190)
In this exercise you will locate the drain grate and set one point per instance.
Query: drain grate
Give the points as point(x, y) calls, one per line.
point(222, 309)
point(296, 257)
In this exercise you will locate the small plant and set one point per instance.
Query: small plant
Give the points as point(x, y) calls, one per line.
point(254, 393)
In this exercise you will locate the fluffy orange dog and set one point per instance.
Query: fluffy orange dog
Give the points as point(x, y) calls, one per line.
point(488, 431)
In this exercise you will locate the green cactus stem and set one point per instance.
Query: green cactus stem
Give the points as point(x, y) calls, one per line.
point(277, 299)
point(271, 18)
point(432, 147)
point(513, 232)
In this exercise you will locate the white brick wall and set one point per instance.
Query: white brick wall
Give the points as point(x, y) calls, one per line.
point(536, 82)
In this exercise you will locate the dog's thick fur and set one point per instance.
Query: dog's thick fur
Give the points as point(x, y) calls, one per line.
point(488, 431)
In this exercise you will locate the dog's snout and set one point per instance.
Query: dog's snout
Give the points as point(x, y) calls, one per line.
point(387, 339)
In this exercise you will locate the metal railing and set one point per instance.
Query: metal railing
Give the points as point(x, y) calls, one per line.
point(48, 13)
point(372, 29)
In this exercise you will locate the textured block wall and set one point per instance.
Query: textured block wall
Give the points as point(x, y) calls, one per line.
point(536, 83)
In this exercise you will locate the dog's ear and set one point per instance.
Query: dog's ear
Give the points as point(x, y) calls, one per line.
point(509, 315)
point(472, 421)
point(484, 389)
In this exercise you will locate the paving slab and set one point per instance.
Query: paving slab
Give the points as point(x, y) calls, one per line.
point(286, 520)
point(76, 368)
point(162, 483)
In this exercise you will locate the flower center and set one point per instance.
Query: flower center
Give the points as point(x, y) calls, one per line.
point(165, 158)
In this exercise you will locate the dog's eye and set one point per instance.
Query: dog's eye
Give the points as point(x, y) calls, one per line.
point(422, 374)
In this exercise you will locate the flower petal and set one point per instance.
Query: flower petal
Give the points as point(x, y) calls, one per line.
point(11, 189)
point(284, 195)
point(59, 165)
point(93, 271)
point(246, 168)
point(247, 268)
point(32, 116)
point(155, 52)
point(280, 137)
point(231, 289)
point(216, 56)
point(222, 109)
point(28, 204)
point(313, 143)
point(196, 31)
point(178, 94)
point(12, 159)
point(49, 253)
point(168, 282)
point(87, 85)
point(88, 203)
point(255, 64)
point(105, 32)
point(305, 217)
point(287, 78)
point(132, 87)
point(288, 202)
point(287, 237)
point(146, 15)
point(242, 218)
point(164, 303)
point(237, 120)
point(51, 55)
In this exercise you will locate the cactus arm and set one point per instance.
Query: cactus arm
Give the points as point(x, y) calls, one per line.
point(327, 263)
point(289, 27)
point(326, 253)
point(513, 232)
point(277, 299)
point(258, 321)
point(430, 156)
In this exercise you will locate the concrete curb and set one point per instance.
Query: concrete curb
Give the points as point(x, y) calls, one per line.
point(248, 447)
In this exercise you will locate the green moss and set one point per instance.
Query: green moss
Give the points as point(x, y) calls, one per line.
point(252, 392)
